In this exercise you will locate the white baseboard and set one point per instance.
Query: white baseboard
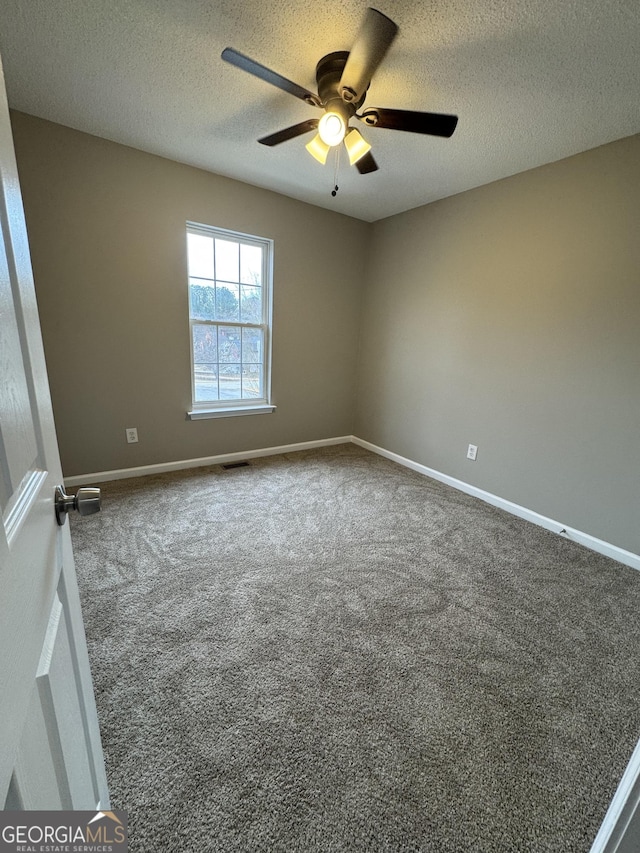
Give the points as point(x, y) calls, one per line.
point(599, 545)
point(183, 464)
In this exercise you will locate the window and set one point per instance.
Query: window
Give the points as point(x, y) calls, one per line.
point(230, 321)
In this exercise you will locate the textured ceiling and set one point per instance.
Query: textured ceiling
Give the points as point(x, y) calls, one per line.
point(532, 81)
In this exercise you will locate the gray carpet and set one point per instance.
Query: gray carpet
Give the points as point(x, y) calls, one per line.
point(324, 651)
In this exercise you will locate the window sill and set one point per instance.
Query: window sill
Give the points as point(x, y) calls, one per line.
point(201, 414)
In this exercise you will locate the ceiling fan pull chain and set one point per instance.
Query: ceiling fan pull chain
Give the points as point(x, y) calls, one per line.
point(334, 191)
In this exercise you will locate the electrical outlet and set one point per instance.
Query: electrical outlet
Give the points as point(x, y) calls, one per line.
point(132, 435)
point(472, 452)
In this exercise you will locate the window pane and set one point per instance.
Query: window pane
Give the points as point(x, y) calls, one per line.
point(250, 304)
point(230, 382)
point(229, 338)
point(227, 260)
point(252, 346)
point(251, 381)
point(206, 382)
point(205, 348)
point(250, 264)
point(227, 306)
point(202, 300)
point(200, 255)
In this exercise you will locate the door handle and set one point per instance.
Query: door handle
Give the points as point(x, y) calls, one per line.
point(86, 501)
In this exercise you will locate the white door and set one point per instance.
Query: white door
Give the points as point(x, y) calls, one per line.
point(50, 751)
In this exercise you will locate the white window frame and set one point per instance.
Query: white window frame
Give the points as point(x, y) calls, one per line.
point(253, 406)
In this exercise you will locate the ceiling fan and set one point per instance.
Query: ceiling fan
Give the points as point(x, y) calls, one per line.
point(343, 79)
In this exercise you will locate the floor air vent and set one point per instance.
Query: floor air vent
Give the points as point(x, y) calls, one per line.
point(230, 465)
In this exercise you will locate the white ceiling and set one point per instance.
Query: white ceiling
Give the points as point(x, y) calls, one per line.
point(532, 81)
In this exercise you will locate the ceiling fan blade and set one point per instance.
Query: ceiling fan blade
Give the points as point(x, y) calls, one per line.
point(290, 132)
point(366, 164)
point(372, 42)
point(435, 124)
point(263, 73)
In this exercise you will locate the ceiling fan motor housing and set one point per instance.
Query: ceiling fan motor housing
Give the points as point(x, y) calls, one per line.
point(328, 74)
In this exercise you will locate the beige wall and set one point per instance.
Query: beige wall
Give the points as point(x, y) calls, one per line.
point(509, 317)
point(107, 232)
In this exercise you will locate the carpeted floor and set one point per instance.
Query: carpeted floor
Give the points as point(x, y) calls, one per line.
point(324, 651)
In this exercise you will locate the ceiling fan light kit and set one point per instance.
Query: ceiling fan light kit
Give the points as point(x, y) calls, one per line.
point(356, 145)
point(318, 149)
point(343, 79)
point(332, 128)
